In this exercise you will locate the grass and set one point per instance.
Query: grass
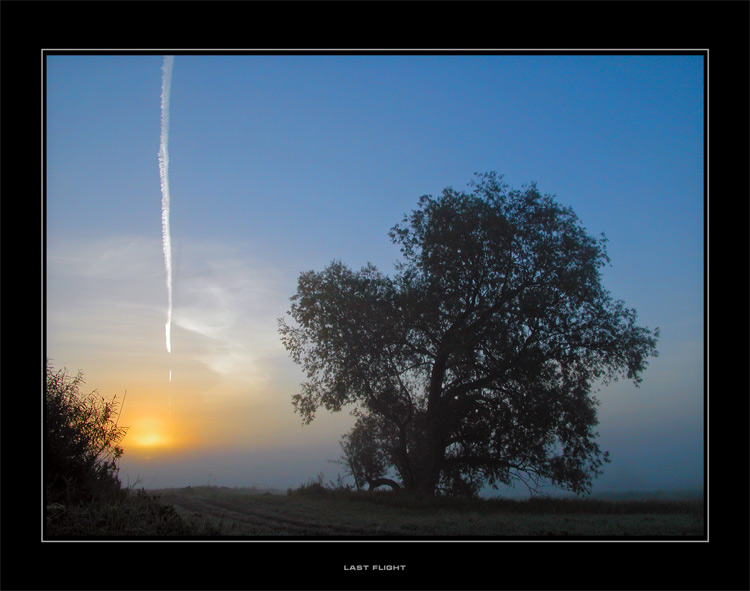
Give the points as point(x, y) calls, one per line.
point(314, 510)
point(537, 516)
point(129, 514)
point(533, 505)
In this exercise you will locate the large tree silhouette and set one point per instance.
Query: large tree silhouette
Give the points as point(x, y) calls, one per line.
point(474, 364)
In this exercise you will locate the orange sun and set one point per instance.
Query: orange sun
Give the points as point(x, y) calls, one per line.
point(150, 432)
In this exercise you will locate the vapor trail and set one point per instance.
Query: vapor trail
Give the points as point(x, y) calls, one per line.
point(166, 84)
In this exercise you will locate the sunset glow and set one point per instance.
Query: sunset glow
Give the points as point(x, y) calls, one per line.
point(150, 432)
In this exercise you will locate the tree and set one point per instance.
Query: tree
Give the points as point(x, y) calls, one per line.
point(474, 364)
point(367, 453)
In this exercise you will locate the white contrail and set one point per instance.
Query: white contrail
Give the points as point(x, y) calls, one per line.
point(164, 177)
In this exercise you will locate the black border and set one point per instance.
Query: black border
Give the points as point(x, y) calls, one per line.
point(717, 26)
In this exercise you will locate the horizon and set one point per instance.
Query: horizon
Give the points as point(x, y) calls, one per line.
point(279, 164)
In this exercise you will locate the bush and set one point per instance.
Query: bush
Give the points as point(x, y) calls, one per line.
point(315, 487)
point(81, 441)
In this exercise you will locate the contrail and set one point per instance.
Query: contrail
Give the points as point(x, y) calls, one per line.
point(166, 84)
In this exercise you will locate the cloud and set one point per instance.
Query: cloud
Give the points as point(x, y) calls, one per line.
point(226, 305)
point(106, 299)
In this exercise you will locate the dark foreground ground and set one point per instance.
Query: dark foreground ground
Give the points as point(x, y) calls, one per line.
point(324, 513)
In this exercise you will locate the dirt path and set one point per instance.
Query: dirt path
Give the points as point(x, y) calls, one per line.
point(255, 515)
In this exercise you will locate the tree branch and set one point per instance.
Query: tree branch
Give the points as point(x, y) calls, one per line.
point(373, 483)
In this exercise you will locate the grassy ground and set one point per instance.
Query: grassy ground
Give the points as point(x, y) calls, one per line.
point(318, 512)
point(130, 514)
point(326, 513)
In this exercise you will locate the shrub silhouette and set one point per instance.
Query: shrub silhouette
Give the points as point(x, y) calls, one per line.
point(81, 441)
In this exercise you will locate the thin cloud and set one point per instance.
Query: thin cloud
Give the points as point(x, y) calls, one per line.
point(226, 303)
point(110, 292)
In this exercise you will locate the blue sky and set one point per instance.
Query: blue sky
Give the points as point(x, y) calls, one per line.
point(281, 163)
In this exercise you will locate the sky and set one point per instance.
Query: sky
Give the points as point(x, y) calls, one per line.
point(279, 164)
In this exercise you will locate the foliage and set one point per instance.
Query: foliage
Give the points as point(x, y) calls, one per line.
point(81, 441)
point(367, 452)
point(474, 363)
point(315, 487)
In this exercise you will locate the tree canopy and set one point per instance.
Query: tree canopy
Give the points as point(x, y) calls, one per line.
point(474, 363)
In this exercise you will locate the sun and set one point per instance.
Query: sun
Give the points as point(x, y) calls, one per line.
point(150, 432)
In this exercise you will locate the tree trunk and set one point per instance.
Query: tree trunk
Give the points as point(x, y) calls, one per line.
point(428, 465)
point(426, 485)
point(428, 459)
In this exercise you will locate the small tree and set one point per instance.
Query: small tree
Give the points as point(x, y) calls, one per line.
point(367, 453)
point(474, 364)
point(81, 440)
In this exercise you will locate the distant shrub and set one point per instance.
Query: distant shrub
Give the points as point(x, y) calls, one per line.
point(81, 441)
point(315, 487)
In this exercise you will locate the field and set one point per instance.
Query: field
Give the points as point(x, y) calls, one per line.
point(324, 513)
